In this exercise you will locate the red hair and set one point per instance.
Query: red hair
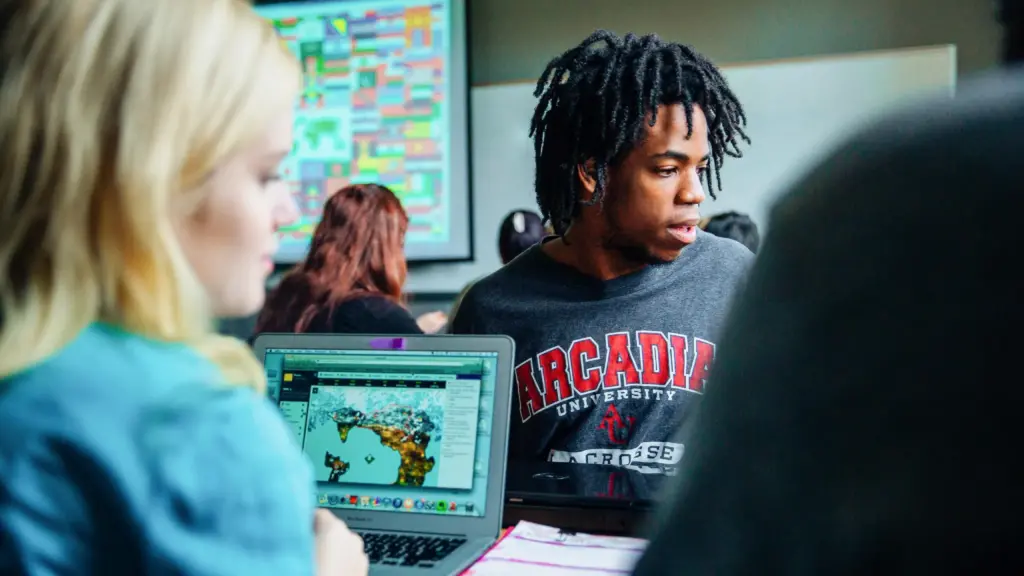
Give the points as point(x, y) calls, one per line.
point(356, 250)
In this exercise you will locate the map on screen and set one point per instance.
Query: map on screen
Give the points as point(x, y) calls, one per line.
point(369, 437)
point(397, 430)
point(373, 109)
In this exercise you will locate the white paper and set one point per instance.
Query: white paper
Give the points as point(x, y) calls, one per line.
point(545, 551)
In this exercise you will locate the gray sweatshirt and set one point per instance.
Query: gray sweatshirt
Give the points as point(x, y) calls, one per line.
point(606, 372)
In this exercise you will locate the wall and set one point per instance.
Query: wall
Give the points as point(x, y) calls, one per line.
point(513, 40)
point(796, 110)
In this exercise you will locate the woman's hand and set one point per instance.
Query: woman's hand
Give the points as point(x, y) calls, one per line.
point(432, 322)
point(339, 551)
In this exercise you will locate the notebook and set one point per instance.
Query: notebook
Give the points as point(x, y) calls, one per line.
point(540, 550)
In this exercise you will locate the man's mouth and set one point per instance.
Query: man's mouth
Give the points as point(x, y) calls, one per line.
point(685, 233)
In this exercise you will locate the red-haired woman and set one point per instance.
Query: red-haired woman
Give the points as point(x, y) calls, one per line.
point(351, 281)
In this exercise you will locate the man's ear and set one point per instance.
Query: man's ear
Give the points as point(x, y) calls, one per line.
point(587, 173)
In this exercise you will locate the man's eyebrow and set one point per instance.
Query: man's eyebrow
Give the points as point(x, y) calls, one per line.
point(676, 155)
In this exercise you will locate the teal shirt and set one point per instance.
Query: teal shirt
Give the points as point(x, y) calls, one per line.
point(121, 455)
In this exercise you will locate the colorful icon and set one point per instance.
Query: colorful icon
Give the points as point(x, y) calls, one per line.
point(419, 504)
point(385, 501)
point(322, 499)
point(376, 502)
point(397, 503)
point(429, 505)
point(365, 500)
point(353, 500)
point(408, 503)
point(452, 507)
point(333, 499)
point(442, 506)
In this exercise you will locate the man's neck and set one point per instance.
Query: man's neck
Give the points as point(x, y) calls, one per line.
point(585, 252)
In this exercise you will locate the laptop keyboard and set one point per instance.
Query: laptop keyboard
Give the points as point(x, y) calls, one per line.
point(408, 550)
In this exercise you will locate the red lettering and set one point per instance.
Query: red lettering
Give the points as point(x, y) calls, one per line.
point(620, 361)
point(705, 357)
point(555, 375)
point(584, 380)
point(679, 367)
point(654, 359)
point(526, 388)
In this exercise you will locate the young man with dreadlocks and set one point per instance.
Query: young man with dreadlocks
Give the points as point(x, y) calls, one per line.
point(615, 319)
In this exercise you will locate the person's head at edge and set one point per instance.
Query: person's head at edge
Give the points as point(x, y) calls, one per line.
point(735, 226)
point(899, 525)
point(519, 230)
point(139, 180)
point(624, 147)
point(356, 250)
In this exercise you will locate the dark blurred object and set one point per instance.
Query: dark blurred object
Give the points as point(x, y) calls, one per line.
point(519, 230)
point(1011, 14)
point(581, 497)
point(864, 416)
point(734, 226)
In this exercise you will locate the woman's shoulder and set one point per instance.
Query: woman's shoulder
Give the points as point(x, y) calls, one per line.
point(119, 396)
point(114, 393)
point(372, 313)
point(123, 370)
point(144, 431)
point(369, 303)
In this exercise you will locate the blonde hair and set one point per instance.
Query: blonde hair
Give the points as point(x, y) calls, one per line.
point(112, 115)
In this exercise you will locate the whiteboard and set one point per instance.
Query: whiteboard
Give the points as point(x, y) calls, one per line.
point(797, 110)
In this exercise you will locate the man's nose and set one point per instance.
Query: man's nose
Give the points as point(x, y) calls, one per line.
point(691, 189)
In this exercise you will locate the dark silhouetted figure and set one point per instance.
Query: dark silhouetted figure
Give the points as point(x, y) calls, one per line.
point(864, 414)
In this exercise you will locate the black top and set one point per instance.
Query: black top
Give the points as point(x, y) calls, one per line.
point(863, 416)
point(365, 315)
point(561, 484)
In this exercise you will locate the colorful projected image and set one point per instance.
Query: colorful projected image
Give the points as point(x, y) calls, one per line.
point(373, 109)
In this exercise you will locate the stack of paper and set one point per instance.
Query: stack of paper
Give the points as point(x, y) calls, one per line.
point(546, 551)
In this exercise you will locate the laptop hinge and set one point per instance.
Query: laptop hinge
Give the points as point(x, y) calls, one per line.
point(408, 532)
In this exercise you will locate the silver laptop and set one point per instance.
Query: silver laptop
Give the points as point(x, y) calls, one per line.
point(408, 437)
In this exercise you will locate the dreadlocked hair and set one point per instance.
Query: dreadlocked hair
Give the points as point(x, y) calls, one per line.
point(594, 99)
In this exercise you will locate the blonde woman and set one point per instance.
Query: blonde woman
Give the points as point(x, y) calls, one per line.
point(138, 199)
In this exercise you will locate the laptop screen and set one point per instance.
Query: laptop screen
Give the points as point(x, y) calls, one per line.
point(400, 431)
